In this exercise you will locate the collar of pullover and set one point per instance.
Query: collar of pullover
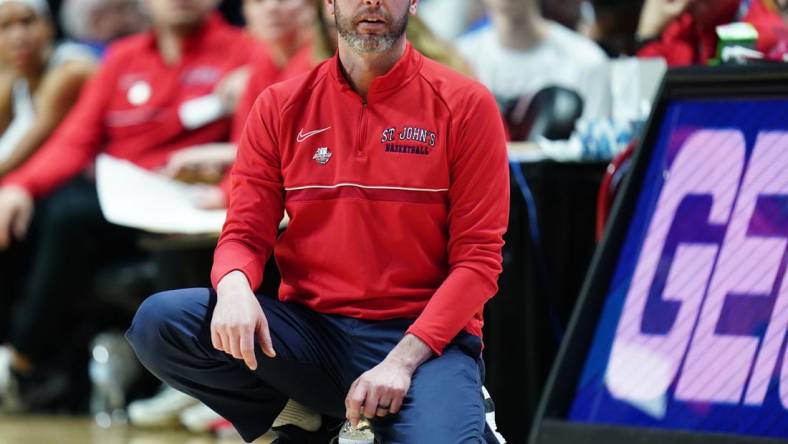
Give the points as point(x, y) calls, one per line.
point(396, 78)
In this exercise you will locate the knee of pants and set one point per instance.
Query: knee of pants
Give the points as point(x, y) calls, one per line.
point(444, 404)
point(152, 325)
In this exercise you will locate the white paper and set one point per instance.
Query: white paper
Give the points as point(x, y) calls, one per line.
point(134, 197)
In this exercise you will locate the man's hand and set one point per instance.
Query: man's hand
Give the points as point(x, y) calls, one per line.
point(201, 163)
point(232, 87)
point(16, 211)
point(238, 319)
point(381, 390)
point(208, 197)
point(656, 14)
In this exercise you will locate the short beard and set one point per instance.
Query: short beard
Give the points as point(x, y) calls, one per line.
point(369, 43)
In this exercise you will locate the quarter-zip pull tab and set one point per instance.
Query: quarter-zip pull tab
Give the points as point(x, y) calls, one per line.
point(361, 152)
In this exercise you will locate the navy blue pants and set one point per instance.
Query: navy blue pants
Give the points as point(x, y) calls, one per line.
point(318, 358)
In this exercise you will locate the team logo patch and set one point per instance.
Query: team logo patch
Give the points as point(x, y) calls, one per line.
point(322, 155)
point(408, 140)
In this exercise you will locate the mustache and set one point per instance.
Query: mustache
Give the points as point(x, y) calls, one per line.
point(369, 10)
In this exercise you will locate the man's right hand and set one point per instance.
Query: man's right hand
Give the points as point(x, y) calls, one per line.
point(16, 211)
point(238, 319)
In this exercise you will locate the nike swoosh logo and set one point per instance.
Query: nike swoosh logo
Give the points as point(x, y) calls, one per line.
point(303, 136)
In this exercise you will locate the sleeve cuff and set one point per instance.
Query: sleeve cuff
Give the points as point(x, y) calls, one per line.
point(233, 256)
point(435, 345)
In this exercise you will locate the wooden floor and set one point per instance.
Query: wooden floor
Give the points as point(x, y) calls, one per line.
point(71, 430)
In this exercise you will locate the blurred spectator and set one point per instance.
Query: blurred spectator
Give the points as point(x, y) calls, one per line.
point(42, 81)
point(95, 23)
point(45, 81)
point(284, 29)
point(145, 102)
point(683, 31)
point(522, 53)
point(529, 62)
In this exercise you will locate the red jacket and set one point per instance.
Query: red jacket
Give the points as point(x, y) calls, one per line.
point(688, 40)
point(397, 206)
point(130, 107)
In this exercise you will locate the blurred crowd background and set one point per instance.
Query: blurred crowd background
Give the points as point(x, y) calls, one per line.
point(574, 79)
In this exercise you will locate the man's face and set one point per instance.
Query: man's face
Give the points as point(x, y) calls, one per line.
point(180, 12)
point(372, 26)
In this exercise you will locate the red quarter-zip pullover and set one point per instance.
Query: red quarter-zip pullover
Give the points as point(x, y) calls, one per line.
point(397, 205)
point(130, 107)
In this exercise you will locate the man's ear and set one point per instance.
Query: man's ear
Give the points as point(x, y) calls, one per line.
point(329, 5)
point(414, 4)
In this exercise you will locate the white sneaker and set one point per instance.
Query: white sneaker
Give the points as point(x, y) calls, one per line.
point(200, 418)
point(162, 410)
point(491, 429)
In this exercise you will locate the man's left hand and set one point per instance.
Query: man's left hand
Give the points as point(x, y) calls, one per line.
point(379, 391)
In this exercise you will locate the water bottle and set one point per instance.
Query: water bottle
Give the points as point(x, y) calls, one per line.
point(112, 369)
point(361, 434)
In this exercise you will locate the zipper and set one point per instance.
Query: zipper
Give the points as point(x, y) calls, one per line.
point(362, 136)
